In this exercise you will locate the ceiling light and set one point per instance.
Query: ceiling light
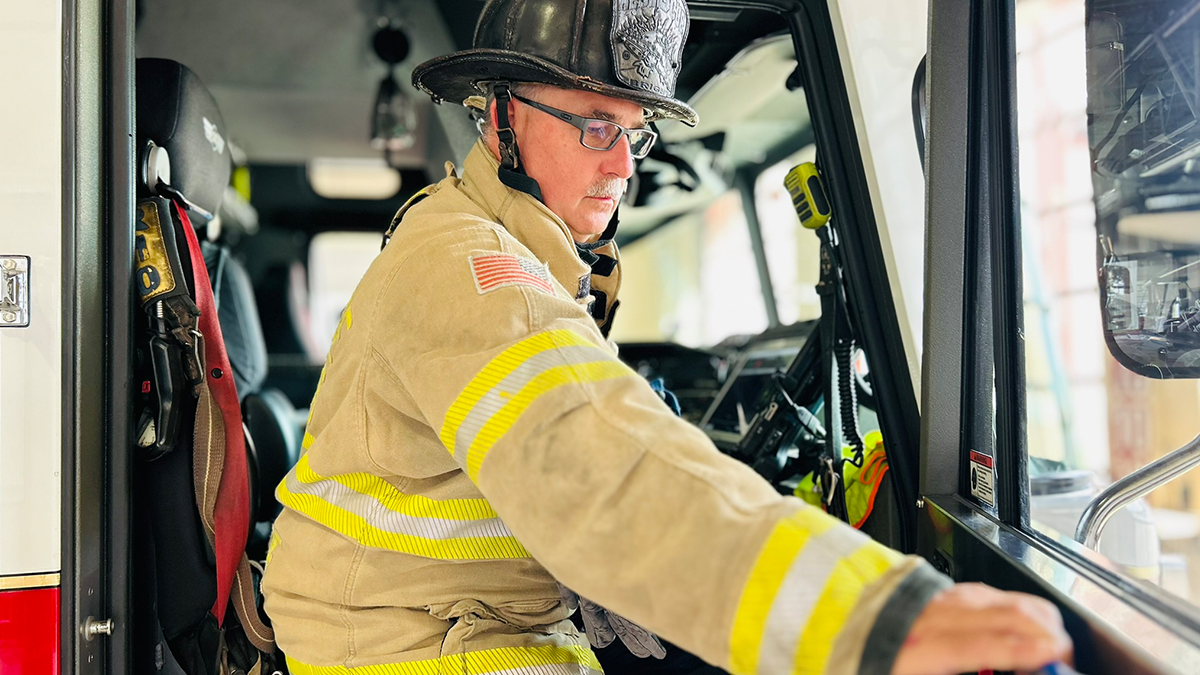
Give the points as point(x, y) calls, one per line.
point(337, 178)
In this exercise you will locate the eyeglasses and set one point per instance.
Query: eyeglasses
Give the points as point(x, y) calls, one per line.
point(597, 134)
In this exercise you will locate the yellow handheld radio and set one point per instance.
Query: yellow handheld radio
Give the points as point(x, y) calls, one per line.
point(803, 183)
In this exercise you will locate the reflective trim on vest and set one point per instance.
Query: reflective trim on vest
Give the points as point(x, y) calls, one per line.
point(549, 660)
point(495, 399)
point(817, 571)
point(371, 511)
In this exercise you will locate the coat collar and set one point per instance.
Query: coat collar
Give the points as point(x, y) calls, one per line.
point(527, 219)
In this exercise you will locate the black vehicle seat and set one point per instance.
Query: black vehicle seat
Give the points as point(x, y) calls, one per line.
point(277, 428)
point(239, 318)
point(296, 359)
point(174, 566)
point(270, 418)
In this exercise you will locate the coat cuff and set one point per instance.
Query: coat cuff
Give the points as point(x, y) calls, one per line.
point(896, 618)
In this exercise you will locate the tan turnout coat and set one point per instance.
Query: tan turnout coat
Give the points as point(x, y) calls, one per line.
point(474, 438)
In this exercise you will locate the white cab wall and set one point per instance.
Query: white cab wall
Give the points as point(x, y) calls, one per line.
point(880, 45)
point(31, 85)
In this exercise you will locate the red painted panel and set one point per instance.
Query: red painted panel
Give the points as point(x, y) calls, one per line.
point(29, 625)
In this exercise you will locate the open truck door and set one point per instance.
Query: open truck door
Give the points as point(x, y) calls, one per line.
point(1039, 155)
point(64, 335)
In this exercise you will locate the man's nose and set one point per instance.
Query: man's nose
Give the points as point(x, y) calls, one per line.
point(619, 160)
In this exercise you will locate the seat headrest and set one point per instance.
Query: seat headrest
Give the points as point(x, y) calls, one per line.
point(177, 112)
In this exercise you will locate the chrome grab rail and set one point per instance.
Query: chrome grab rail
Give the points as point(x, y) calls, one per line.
point(1134, 486)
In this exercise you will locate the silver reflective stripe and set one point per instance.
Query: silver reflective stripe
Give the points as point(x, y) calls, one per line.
point(549, 669)
point(499, 395)
point(377, 515)
point(797, 597)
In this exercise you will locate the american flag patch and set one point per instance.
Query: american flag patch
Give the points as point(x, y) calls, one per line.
point(499, 270)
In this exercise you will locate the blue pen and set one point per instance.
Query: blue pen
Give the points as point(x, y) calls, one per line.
point(1058, 668)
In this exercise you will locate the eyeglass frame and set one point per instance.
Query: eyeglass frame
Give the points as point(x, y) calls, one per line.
point(580, 122)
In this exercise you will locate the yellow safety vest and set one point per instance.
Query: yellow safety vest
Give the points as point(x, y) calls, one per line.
point(862, 482)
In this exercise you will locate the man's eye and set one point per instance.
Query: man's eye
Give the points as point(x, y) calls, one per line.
point(601, 131)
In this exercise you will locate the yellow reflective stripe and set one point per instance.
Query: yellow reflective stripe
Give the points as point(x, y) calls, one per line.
point(842, 592)
point(368, 510)
point(783, 546)
point(499, 368)
point(308, 440)
point(346, 321)
point(417, 506)
point(358, 529)
point(272, 544)
point(545, 660)
point(502, 421)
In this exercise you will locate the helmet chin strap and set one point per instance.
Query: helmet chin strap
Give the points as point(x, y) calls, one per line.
point(511, 173)
point(586, 251)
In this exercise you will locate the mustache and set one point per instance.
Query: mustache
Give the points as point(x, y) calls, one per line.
point(607, 187)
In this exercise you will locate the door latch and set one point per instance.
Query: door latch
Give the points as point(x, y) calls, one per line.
point(93, 628)
point(14, 291)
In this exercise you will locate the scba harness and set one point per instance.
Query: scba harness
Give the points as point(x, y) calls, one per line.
point(192, 499)
point(186, 374)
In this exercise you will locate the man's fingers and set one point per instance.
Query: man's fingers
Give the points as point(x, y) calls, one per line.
point(1023, 615)
point(972, 627)
point(970, 652)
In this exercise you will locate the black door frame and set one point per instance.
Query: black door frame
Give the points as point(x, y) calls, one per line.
point(97, 283)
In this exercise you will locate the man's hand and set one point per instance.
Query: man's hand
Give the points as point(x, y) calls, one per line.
point(971, 627)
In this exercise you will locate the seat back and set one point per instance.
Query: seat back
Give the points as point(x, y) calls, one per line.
point(188, 564)
point(239, 317)
point(273, 425)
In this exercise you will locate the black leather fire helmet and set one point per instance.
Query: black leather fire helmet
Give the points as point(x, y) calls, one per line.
point(627, 49)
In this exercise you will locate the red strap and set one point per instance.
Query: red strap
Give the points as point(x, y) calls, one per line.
point(231, 520)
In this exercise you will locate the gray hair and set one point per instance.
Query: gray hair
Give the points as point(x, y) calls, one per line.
point(525, 89)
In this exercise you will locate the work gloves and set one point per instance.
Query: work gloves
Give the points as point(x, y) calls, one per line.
point(603, 627)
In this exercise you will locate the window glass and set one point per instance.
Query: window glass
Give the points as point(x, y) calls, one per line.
point(1102, 147)
point(792, 251)
point(337, 261)
point(693, 281)
point(880, 45)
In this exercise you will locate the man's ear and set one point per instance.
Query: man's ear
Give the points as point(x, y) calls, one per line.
point(494, 117)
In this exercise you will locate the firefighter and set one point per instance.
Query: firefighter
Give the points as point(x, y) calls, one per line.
point(475, 448)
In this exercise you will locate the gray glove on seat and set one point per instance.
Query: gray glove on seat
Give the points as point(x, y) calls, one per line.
point(603, 627)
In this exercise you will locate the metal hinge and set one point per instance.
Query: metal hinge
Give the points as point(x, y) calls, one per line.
point(14, 291)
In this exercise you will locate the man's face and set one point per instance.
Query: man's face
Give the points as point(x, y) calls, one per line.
point(582, 186)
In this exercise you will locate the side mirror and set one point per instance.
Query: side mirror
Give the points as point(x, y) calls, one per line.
point(1144, 135)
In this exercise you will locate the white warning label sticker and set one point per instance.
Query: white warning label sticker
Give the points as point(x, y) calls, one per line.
point(983, 478)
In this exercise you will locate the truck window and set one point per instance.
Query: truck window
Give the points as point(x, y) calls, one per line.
point(1085, 107)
